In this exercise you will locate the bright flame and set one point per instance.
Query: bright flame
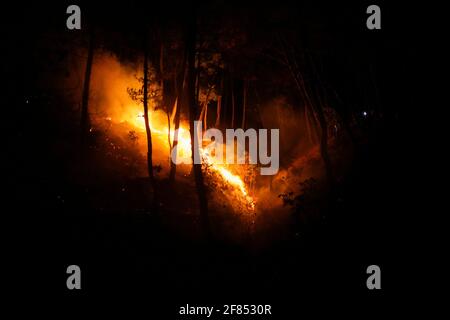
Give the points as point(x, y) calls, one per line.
point(158, 125)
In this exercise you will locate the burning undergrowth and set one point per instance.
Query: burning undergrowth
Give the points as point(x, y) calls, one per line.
point(117, 122)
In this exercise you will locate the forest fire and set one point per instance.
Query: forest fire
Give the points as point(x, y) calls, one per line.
point(160, 128)
point(193, 154)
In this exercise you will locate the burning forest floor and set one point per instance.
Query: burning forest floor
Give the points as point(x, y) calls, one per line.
point(107, 188)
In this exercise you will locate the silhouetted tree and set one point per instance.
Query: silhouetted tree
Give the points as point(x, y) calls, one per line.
point(179, 86)
point(193, 112)
point(291, 61)
point(148, 130)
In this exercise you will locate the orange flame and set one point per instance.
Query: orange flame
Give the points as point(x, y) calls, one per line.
point(158, 125)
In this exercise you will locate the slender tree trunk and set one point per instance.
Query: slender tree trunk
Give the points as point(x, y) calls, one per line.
point(319, 107)
point(147, 123)
point(317, 110)
point(179, 91)
point(85, 122)
point(173, 158)
point(291, 62)
point(168, 131)
point(165, 100)
point(206, 117)
point(175, 103)
point(219, 107)
point(197, 76)
point(219, 104)
point(204, 112)
point(324, 145)
point(198, 176)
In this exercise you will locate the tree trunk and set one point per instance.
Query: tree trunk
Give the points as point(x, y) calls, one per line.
point(319, 108)
point(179, 92)
point(204, 112)
point(85, 123)
point(318, 111)
point(147, 123)
point(173, 158)
point(197, 167)
point(164, 100)
point(168, 130)
point(324, 145)
point(197, 76)
point(219, 107)
point(291, 62)
point(219, 104)
point(205, 121)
